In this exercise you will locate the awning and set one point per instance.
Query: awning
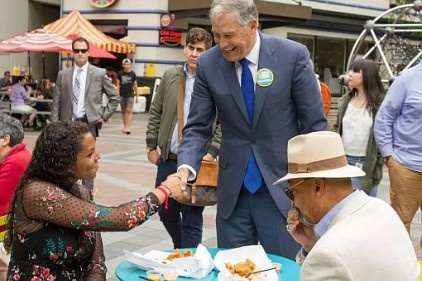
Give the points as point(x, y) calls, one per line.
point(75, 23)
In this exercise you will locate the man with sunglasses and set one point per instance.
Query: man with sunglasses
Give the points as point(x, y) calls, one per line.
point(85, 103)
point(345, 234)
point(79, 91)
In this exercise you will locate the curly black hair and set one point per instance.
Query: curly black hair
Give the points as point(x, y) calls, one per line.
point(53, 159)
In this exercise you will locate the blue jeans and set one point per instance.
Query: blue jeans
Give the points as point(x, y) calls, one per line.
point(357, 181)
point(183, 222)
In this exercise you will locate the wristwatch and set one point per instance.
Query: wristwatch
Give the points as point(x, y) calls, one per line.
point(149, 149)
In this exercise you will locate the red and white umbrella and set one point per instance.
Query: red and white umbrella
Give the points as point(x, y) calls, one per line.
point(38, 40)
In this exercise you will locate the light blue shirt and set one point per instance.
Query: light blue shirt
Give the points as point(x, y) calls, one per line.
point(398, 124)
point(189, 81)
point(322, 226)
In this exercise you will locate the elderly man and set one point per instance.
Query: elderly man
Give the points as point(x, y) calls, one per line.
point(345, 235)
point(14, 158)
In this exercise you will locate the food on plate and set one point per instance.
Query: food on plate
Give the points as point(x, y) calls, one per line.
point(241, 268)
point(179, 254)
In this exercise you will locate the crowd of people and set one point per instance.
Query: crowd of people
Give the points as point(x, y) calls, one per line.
point(285, 182)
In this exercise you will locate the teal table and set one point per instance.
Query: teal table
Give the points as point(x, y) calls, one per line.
point(290, 270)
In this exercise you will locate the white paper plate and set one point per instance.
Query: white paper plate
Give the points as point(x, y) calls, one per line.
point(255, 253)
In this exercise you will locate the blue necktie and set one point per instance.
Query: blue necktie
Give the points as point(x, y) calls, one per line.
point(253, 179)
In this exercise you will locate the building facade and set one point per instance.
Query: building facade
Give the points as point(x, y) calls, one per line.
point(329, 28)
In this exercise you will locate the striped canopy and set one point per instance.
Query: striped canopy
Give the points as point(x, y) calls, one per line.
point(75, 23)
point(38, 40)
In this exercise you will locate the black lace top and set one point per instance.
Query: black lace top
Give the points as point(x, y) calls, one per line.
point(56, 234)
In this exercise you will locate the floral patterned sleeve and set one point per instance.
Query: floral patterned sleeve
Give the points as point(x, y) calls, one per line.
point(47, 202)
point(96, 270)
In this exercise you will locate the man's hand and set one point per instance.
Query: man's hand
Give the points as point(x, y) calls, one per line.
point(208, 157)
point(182, 175)
point(154, 157)
point(302, 232)
point(173, 184)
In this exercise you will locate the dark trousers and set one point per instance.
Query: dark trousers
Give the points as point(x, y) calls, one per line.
point(256, 219)
point(182, 222)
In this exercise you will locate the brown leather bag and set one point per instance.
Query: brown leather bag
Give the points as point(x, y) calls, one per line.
point(203, 192)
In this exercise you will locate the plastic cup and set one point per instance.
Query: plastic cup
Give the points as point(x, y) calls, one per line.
point(170, 275)
point(154, 275)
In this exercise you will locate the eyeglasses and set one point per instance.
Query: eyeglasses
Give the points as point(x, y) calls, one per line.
point(289, 190)
point(83, 51)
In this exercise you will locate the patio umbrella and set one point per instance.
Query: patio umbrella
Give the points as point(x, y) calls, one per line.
point(38, 40)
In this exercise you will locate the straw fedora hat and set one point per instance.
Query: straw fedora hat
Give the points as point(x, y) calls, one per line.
point(318, 155)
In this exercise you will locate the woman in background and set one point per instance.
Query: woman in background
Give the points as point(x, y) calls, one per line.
point(45, 90)
point(19, 97)
point(54, 226)
point(355, 120)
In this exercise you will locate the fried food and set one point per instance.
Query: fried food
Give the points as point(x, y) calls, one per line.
point(242, 268)
point(178, 254)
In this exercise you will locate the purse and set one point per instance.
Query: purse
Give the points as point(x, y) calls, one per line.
point(203, 192)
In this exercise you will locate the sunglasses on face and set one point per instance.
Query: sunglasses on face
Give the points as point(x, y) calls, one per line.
point(82, 51)
point(289, 190)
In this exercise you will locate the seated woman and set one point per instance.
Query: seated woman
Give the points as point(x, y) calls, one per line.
point(19, 97)
point(45, 90)
point(54, 226)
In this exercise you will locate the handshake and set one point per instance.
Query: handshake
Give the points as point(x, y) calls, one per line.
point(175, 184)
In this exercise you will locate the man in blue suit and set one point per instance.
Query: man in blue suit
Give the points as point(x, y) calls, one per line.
point(285, 102)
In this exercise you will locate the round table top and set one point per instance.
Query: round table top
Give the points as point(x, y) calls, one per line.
point(290, 270)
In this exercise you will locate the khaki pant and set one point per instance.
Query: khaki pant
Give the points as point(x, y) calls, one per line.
point(405, 191)
point(4, 262)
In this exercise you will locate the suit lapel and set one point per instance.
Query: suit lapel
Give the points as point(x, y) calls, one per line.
point(266, 60)
point(90, 71)
point(69, 79)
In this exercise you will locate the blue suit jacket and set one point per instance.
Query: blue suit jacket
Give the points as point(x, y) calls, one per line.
point(291, 105)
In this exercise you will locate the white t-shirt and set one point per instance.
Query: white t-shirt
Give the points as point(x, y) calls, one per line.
point(357, 123)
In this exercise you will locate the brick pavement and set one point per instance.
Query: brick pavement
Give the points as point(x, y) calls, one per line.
point(125, 174)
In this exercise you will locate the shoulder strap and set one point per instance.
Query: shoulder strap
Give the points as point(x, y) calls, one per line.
point(180, 84)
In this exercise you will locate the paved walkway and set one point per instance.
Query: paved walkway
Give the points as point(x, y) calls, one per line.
point(125, 174)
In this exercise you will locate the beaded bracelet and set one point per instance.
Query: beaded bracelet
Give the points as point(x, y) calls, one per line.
point(166, 196)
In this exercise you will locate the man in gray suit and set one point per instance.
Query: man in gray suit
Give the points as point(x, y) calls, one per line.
point(287, 102)
point(79, 90)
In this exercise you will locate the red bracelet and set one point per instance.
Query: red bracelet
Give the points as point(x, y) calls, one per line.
point(166, 197)
point(166, 187)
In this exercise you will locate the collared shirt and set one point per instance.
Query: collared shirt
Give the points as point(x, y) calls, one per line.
point(189, 81)
point(398, 124)
point(253, 58)
point(82, 82)
point(322, 226)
